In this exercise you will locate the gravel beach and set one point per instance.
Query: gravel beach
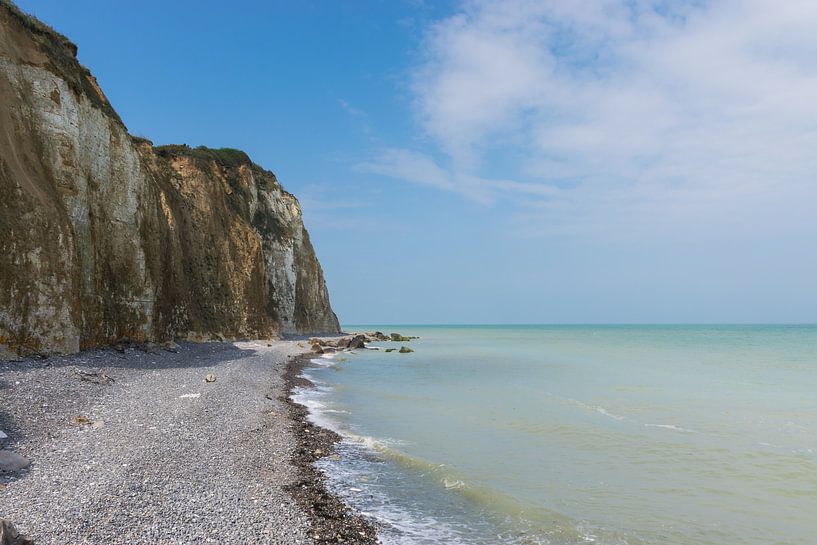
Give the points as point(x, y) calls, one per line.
point(138, 447)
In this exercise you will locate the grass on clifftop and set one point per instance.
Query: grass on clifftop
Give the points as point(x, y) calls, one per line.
point(34, 25)
point(62, 56)
point(228, 157)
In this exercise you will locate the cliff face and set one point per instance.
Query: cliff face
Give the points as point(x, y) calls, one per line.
point(105, 238)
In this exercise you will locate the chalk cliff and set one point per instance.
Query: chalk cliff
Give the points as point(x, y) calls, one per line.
point(105, 238)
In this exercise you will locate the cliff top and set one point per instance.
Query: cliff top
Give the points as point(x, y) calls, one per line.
point(225, 157)
point(37, 27)
point(62, 56)
point(228, 157)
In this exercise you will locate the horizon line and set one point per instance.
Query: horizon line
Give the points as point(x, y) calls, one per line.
point(489, 324)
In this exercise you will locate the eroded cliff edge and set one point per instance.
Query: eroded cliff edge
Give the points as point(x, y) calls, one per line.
point(105, 238)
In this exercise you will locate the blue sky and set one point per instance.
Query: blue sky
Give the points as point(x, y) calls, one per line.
point(516, 162)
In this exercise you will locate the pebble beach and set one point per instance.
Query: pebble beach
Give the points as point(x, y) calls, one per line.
point(190, 443)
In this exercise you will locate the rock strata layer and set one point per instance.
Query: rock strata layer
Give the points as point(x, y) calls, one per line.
point(107, 239)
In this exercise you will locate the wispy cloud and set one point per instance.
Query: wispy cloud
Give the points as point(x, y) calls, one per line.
point(423, 169)
point(357, 112)
point(622, 114)
point(360, 120)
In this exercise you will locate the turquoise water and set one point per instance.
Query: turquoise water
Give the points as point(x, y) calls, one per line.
point(672, 435)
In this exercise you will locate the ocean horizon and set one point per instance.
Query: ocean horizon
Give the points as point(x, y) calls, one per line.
point(683, 434)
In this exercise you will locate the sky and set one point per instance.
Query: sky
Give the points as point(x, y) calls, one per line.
point(595, 161)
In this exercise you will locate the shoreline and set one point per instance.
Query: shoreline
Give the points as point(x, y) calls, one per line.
point(160, 454)
point(333, 520)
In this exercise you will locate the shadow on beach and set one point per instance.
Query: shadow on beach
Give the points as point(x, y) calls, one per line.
point(39, 394)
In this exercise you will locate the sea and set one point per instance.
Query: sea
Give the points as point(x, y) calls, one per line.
point(606, 435)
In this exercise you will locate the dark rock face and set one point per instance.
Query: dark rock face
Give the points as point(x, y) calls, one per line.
point(105, 238)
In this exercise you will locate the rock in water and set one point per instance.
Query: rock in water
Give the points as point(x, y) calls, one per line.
point(10, 536)
point(405, 350)
point(358, 341)
point(11, 461)
point(131, 240)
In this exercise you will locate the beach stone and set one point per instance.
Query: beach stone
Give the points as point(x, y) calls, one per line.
point(3, 436)
point(11, 462)
point(171, 346)
point(96, 377)
point(405, 350)
point(81, 420)
point(10, 536)
point(358, 341)
point(210, 378)
point(318, 349)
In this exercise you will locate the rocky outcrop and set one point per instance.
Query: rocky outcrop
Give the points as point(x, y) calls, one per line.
point(105, 238)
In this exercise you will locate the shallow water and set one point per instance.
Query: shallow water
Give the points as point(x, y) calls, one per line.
point(579, 434)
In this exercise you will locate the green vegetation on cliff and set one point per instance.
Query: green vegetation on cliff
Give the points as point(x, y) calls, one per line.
point(227, 157)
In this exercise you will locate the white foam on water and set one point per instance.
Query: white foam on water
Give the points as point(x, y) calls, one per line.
point(619, 418)
point(371, 444)
point(670, 427)
point(324, 360)
point(318, 413)
point(605, 412)
point(452, 483)
point(399, 525)
point(597, 408)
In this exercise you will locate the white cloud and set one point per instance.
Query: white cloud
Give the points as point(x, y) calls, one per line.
point(421, 168)
point(624, 113)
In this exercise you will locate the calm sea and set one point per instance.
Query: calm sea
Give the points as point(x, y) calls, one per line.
point(612, 435)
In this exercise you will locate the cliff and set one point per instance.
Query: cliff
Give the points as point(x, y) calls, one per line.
point(105, 238)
